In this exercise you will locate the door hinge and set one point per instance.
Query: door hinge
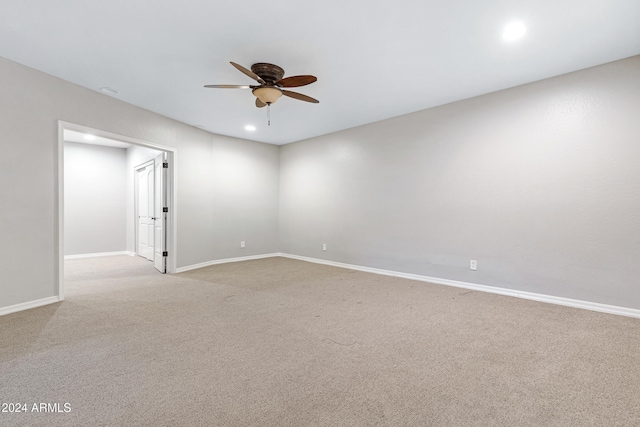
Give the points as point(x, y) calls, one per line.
point(165, 165)
point(165, 253)
point(165, 209)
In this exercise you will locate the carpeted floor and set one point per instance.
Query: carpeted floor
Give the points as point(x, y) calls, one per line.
point(280, 342)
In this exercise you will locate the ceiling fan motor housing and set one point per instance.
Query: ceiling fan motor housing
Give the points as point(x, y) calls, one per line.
point(268, 72)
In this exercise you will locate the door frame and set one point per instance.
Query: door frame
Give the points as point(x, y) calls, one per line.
point(172, 218)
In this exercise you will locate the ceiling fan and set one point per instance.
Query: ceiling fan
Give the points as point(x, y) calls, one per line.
point(271, 84)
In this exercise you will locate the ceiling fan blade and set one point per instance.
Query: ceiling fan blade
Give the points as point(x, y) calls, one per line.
point(259, 103)
point(249, 73)
point(229, 86)
point(296, 81)
point(299, 96)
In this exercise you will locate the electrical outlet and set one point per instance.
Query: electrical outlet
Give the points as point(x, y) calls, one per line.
point(324, 246)
point(473, 265)
point(242, 244)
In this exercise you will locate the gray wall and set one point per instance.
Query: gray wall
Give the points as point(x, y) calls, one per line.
point(32, 102)
point(539, 183)
point(94, 199)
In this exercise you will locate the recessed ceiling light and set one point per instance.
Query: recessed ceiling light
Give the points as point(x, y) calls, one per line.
point(90, 137)
point(250, 128)
point(109, 90)
point(514, 31)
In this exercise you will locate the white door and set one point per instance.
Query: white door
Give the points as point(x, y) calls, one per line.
point(146, 212)
point(160, 216)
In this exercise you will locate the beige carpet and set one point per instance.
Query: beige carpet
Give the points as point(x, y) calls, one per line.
point(279, 342)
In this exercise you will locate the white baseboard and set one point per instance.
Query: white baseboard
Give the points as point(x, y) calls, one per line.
point(224, 261)
point(27, 305)
point(586, 305)
point(98, 254)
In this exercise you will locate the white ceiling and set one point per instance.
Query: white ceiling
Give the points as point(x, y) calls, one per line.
point(73, 136)
point(373, 59)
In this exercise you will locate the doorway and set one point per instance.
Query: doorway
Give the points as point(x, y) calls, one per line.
point(159, 190)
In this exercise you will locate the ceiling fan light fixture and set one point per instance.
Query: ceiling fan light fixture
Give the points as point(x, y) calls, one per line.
point(268, 95)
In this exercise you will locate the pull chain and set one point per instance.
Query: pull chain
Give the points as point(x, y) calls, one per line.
point(269, 113)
